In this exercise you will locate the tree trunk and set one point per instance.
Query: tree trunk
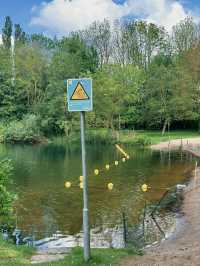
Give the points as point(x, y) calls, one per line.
point(168, 126)
point(119, 122)
point(164, 127)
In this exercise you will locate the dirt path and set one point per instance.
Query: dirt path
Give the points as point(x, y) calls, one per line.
point(184, 247)
point(174, 144)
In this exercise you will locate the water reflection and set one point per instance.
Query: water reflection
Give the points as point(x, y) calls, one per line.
point(45, 206)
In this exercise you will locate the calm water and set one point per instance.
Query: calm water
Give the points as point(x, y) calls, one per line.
point(45, 206)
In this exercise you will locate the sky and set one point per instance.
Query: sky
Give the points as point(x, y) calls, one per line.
point(59, 17)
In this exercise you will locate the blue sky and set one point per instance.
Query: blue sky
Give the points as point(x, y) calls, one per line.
point(58, 17)
point(19, 10)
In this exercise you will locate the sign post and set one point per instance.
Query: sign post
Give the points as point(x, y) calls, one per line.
point(86, 228)
point(79, 97)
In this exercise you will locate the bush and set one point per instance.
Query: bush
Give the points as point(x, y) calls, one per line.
point(94, 136)
point(101, 136)
point(136, 140)
point(142, 141)
point(24, 131)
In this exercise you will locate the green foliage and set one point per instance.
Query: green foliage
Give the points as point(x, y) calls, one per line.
point(147, 137)
point(142, 141)
point(11, 255)
point(7, 33)
point(6, 197)
point(72, 58)
point(134, 138)
point(20, 35)
point(142, 78)
point(24, 131)
point(101, 136)
point(116, 96)
point(42, 41)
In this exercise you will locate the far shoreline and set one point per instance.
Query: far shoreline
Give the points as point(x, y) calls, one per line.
point(185, 144)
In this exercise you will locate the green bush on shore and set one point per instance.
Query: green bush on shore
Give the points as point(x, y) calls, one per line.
point(23, 131)
point(141, 141)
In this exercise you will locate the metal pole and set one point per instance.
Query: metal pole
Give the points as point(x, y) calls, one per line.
point(86, 228)
point(124, 228)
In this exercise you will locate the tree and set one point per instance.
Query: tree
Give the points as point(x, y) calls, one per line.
point(98, 35)
point(31, 73)
point(20, 35)
point(71, 58)
point(116, 94)
point(43, 41)
point(167, 95)
point(7, 33)
point(185, 35)
point(136, 42)
point(190, 64)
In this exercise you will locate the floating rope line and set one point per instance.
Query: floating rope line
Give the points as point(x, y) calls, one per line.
point(100, 171)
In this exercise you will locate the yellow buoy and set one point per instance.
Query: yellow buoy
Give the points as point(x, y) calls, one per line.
point(68, 184)
point(110, 186)
point(144, 187)
point(96, 171)
point(81, 185)
point(123, 160)
point(81, 178)
point(116, 163)
point(107, 166)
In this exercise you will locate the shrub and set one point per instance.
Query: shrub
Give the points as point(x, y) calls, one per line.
point(136, 140)
point(101, 136)
point(24, 131)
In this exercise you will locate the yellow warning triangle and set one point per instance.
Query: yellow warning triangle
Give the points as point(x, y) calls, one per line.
point(79, 93)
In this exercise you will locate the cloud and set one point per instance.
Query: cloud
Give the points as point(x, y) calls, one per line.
point(1, 39)
point(62, 16)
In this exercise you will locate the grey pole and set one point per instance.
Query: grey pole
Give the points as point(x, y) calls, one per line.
point(86, 228)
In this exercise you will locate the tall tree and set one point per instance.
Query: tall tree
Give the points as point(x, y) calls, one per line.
point(185, 35)
point(98, 35)
point(136, 42)
point(167, 95)
point(7, 33)
point(20, 35)
point(72, 57)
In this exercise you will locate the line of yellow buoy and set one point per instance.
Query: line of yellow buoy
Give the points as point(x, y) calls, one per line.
point(110, 186)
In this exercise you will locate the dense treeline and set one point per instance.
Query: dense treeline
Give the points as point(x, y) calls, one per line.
point(143, 77)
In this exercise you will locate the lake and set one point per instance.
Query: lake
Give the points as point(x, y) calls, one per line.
point(45, 205)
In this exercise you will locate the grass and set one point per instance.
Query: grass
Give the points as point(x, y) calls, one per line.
point(145, 137)
point(11, 255)
point(131, 137)
point(100, 257)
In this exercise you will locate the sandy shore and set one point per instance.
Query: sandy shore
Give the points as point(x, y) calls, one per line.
point(183, 248)
point(174, 144)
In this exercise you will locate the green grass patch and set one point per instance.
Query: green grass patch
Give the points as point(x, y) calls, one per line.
point(99, 257)
point(145, 137)
point(11, 255)
point(140, 138)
